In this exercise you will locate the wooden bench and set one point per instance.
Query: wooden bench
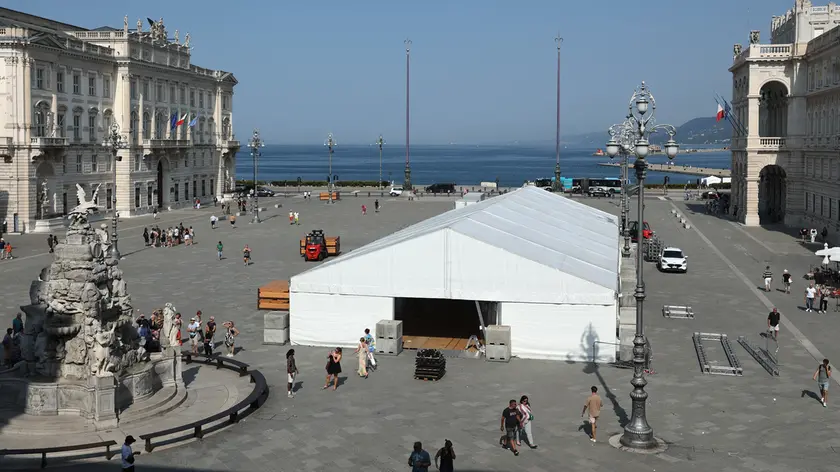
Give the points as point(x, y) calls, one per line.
point(333, 246)
point(48, 450)
point(220, 361)
point(274, 295)
point(325, 196)
point(251, 402)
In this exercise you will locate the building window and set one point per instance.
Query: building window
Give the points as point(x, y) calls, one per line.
point(39, 78)
point(192, 98)
point(59, 82)
point(172, 97)
point(149, 195)
point(77, 84)
point(183, 95)
point(106, 121)
point(40, 122)
point(176, 191)
point(147, 125)
point(109, 195)
point(195, 161)
point(201, 131)
point(93, 164)
point(822, 205)
point(225, 129)
point(201, 99)
point(203, 188)
point(160, 126)
point(195, 188)
point(225, 100)
point(63, 164)
point(77, 127)
point(133, 89)
point(186, 191)
point(146, 90)
point(59, 123)
point(159, 93)
point(186, 161)
point(108, 159)
point(212, 189)
point(106, 87)
point(813, 203)
point(135, 124)
point(92, 127)
point(138, 162)
point(136, 197)
point(78, 165)
point(92, 86)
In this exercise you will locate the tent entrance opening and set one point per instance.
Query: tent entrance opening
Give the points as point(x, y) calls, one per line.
point(435, 323)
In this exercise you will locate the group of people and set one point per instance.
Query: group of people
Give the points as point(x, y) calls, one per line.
point(294, 218)
point(810, 234)
point(201, 335)
point(375, 207)
point(172, 236)
point(5, 250)
point(516, 424)
point(11, 341)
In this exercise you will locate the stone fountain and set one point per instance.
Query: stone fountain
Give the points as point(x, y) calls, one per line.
point(81, 351)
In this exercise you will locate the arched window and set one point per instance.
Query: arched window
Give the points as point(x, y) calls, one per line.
point(201, 130)
point(135, 123)
point(40, 122)
point(225, 129)
point(160, 126)
point(147, 125)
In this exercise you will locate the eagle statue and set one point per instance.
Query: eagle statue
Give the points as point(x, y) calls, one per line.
point(85, 206)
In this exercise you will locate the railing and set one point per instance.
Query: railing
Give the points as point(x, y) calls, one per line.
point(42, 141)
point(772, 143)
point(166, 143)
point(49, 450)
point(231, 415)
point(96, 34)
point(766, 51)
point(232, 143)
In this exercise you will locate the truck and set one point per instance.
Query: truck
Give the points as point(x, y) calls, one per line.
point(317, 247)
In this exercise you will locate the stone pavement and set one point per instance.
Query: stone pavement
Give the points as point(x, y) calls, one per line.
point(754, 422)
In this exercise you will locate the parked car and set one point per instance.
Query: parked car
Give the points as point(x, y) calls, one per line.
point(647, 233)
point(672, 259)
point(395, 191)
point(599, 192)
point(441, 188)
point(265, 192)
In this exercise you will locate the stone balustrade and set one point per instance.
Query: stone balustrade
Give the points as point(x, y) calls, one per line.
point(166, 143)
point(45, 142)
point(766, 51)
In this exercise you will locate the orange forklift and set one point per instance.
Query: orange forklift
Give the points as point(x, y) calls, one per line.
point(316, 246)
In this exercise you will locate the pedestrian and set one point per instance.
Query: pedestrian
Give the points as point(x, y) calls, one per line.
point(333, 368)
point(376, 206)
point(362, 353)
point(594, 405)
point(7, 347)
point(810, 293)
point(232, 221)
point(8, 251)
point(824, 294)
point(824, 234)
point(813, 234)
point(187, 238)
point(291, 217)
point(193, 328)
point(2, 248)
point(145, 237)
point(509, 425)
point(371, 342)
point(822, 376)
point(209, 332)
point(786, 280)
point(178, 324)
point(291, 372)
point(17, 324)
point(219, 248)
point(446, 456)
point(215, 201)
point(213, 221)
point(154, 213)
point(419, 460)
point(297, 218)
point(55, 241)
point(768, 277)
point(50, 243)
point(773, 324)
point(526, 418)
point(230, 337)
point(127, 454)
point(364, 210)
point(246, 255)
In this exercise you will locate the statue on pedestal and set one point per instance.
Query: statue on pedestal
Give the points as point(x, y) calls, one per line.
point(44, 199)
point(139, 26)
point(176, 37)
point(187, 40)
point(125, 24)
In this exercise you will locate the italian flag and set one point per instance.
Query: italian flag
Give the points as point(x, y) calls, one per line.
point(720, 113)
point(184, 118)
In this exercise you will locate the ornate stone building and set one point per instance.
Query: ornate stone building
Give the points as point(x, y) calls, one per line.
point(62, 87)
point(786, 94)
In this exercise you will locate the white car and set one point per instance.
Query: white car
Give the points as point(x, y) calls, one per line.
point(395, 191)
point(672, 259)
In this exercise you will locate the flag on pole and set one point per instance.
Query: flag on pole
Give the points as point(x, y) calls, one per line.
point(181, 121)
point(194, 121)
point(151, 21)
point(732, 119)
point(720, 113)
point(173, 120)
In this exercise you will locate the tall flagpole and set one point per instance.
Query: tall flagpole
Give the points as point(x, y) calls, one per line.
point(557, 187)
point(407, 183)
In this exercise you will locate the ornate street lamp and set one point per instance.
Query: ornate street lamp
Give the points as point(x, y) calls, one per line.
point(114, 141)
point(638, 434)
point(622, 142)
point(380, 142)
point(256, 143)
point(331, 144)
point(558, 185)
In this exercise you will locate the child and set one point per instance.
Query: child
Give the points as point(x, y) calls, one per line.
point(364, 210)
point(246, 255)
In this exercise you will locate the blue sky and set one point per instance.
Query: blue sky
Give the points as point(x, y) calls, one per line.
point(483, 71)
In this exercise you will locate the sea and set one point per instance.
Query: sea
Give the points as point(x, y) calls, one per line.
point(461, 164)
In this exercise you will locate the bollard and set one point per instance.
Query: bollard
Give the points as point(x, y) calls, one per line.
point(687, 226)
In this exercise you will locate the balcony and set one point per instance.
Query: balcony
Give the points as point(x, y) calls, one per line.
point(764, 52)
point(771, 144)
point(232, 144)
point(43, 142)
point(155, 144)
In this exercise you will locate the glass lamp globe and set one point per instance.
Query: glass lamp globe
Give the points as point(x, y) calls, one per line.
point(642, 105)
point(612, 148)
point(671, 148)
point(642, 148)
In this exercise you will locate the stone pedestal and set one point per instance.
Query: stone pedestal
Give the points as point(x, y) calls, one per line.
point(105, 401)
point(276, 328)
point(50, 226)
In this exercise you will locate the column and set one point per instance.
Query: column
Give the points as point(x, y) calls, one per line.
point(751, 202)
point(753, 115)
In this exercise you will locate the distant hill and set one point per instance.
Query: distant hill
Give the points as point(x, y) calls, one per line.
point(703, 130)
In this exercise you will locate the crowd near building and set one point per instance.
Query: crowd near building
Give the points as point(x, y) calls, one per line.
point(786, 96)
point(62, 90)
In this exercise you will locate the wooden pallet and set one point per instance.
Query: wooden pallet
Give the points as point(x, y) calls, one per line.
point(273, 296)
point(325, 196)
point(431, 342)
point(429, 379)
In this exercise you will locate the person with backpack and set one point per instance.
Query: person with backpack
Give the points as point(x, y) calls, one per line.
point(823, 377)
point(445, 457)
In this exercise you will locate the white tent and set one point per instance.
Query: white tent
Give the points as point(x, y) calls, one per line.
point(713, 180)
point(552, 264)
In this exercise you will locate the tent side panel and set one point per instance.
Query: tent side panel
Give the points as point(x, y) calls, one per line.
point(561, 332)
point(335, 320)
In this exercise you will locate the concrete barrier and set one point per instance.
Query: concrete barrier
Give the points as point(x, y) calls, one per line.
point(276, 327)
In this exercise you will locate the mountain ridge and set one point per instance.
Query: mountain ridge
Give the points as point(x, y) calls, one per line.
point(700, 130)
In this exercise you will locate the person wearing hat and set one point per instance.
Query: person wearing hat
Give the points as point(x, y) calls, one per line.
point(127, 454)
point(194, 329)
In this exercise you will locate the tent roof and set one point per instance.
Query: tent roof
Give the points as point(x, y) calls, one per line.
point(532, 223)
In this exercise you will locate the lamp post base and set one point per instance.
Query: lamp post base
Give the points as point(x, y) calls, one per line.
point(557, 184)
point(407, 183)
point(616, 441)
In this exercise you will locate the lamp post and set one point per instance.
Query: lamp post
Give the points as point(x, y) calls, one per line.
point(407, 183)
point(624, 134)
point(638, 434)
point(380, 142)
point(331, 144)
point(114, 141)
point(256, 143)
point(558, 186)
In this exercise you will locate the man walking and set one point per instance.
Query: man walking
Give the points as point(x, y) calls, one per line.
point(371, 344)
point(510, 423)
point(127, 454)
point(768, 277)
point(297, 218)
point(822, 376)
point(419, 460)
point(773, 324)
point(810, 293)
point(786, 280)
point(219, 248)
point(593, 404)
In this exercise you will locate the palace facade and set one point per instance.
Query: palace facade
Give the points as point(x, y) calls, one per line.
point(63, 89)
point(786, 95)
